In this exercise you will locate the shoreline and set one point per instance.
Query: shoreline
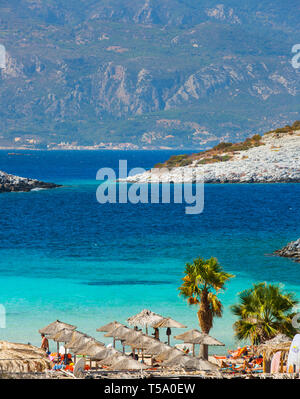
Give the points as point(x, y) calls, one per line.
point(99, 149)
point(275, 160)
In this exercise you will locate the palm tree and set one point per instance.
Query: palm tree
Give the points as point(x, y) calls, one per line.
point(202, 281)
point(264, 311)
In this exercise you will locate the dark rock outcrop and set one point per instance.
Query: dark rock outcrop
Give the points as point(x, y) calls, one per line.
point(291, 250)
point(9, 183)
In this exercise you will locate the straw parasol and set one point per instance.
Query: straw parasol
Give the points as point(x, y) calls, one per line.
point(188, 335)
point(139, 342)
point(110, 326)
point(16, 358)
point(56, 326)
point(196, 337)
point(169, 353)
point(156, 348)
point(128, 364)
point(146, 318)
point(280, 343)
point(89, 349)
point(188, 363)
point(113, 358)
point(207, 340)
point(200, 365)
point(178, 360)
point(63, 335)
point(78, 339)
point(169, 323)
point(121, 333)
point(104, 353)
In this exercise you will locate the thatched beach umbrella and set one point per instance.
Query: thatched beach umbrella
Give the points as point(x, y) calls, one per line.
point(178, 361)
point(277, 340)
point(156, 348)
point(190, 363)
point(139, 342)
point(128, 364)
point(146, 318)
point(200, 365)
point(189, 336)
point(63, 335)
point(113, 358)
point(280, 343)
point(169, 353)
point(110, 326)
point(120, 333)
point(78, 339)
point(196, 337)
point(169, 323)
point(104, 353)
point(56, 326)
point(22, 358)
point(91, 348)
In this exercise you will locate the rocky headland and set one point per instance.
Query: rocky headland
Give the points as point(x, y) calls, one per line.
point(291, 250)
point(271, 158)
point(9, 183)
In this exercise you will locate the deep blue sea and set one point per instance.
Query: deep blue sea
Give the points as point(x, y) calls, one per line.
point(65, 256)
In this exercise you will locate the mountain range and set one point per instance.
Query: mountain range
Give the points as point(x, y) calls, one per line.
point(146, 74)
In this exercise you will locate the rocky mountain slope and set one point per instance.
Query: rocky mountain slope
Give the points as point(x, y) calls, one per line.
point(176, 74)
point(273, 158)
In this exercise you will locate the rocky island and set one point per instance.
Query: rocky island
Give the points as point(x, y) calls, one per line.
point(271, 158)
point(291, 250)
point(10, 183)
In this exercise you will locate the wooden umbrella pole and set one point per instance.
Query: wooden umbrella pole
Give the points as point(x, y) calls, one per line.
point(281, 362)
point(264, 362)
point(143, 356)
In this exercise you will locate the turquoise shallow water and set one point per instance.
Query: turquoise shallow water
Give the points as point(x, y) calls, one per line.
point(65, 256)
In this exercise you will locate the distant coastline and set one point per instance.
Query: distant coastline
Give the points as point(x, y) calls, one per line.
point(88, 148)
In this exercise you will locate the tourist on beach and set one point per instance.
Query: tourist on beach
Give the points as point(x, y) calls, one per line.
point(156, 333)
point(45, 343)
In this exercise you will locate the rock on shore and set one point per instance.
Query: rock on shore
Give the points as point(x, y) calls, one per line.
point(276, 160)
point(10, 183)
point(292, 250)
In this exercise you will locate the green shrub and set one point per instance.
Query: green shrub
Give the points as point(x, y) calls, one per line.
point(256, 137)
point(159, 165)
point(185, 162)
point(222, 146)
point(296, 125)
